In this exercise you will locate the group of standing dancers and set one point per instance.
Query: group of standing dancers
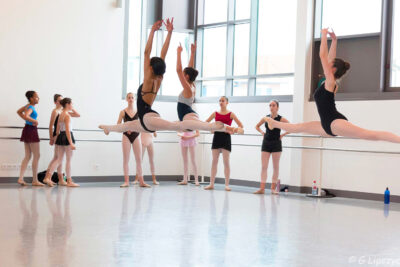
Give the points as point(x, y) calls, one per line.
point(144, 121)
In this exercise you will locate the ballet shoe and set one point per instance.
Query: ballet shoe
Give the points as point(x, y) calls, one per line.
point(274, 192)
point(135, 182)
point(72, 184)
point(269, 120)
point(106, 132)
point(37, 183)
point(124, 185)
point(156, 182)
point(259, 192)
point(145, 185)
point(63, 183)
point(48, 182)
point(22, 183)
point(227, 188)
point(209, 187)
point(183, 183)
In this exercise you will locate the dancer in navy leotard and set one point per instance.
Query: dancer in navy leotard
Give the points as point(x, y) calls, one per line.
point(332, 122)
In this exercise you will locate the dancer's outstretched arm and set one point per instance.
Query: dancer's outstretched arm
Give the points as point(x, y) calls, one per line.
point(187, 90)
point(149, 45)
point(332, 49)
point(330, 82)
point(192, 55)
point(170, 27)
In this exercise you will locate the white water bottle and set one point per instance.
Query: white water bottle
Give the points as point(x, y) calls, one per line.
point(314, 191)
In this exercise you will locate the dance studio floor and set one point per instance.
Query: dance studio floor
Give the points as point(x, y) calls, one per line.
point(168, 225)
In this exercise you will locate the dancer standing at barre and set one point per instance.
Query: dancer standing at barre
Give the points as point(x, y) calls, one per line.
point(150, 120)
point(222, 142)
point(332, 122)
point(188, 144)
point(131, 140)
point(271, 147)
point(30, 137)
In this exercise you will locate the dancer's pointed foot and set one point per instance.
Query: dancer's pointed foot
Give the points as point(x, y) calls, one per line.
point(104, 128)
point(260, 191)
point(270, 122)
point(22, 182)
point(219, 125)
point(209, 187)
point(126, 184)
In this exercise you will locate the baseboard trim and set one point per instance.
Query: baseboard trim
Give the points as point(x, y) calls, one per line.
point(253, 184)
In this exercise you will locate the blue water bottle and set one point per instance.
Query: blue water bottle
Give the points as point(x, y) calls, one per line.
point(387, 196)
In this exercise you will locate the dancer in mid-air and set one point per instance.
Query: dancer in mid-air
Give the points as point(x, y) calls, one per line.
point(150, 120)
point(332, 122)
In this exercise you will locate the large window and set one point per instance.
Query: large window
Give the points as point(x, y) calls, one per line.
point(132, 47)
point(352, 17)
point(248, 50)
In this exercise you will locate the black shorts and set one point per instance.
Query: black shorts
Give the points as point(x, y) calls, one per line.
point(222, 140)
point(271, 146)
point(184, 109)
point(62, 139)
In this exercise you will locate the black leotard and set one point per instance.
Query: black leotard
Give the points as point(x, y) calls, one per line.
point(55, 126)
point(326, 106)
point(133, 135)
point(272, 138)
point(142, 107)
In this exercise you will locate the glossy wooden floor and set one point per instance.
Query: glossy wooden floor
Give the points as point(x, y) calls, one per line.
point(168, 225)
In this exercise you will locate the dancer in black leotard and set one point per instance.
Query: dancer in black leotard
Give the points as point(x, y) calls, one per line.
point(131, 140)
point(271, 147)
point(150, 120)
point(332, 122)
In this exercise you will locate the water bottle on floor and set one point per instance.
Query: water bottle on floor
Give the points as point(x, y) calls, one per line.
point(387, 196)
point(314, 190)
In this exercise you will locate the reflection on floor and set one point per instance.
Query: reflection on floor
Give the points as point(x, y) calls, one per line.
point(168, 225)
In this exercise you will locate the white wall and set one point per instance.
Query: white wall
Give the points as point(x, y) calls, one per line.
point(75, 48)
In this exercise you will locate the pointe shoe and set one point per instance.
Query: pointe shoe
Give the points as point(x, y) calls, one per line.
point(183, 183)
point(227, 188)
point(22, 183)
point(210, 187)
point(239, 130)
point(103, 127)
point(259, 192)
point(37, 183)
point(124, 185)
point(269, 121)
